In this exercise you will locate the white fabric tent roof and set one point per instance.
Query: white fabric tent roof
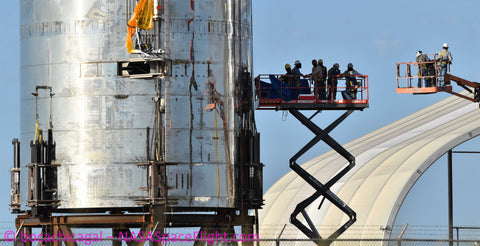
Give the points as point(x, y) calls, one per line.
point(388, 163)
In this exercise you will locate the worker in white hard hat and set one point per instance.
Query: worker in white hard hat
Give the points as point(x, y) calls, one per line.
point(350, 82)
point(423, 64)
point(296, 69)
point(296, 79)
point(444, 59)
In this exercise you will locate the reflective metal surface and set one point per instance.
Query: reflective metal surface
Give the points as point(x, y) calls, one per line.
point(100, 119)
point(210, 45)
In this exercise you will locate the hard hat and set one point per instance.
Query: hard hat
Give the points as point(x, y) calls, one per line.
point(336, 65)
point(287, 66)
point(297, 62)
point(419, 53)
point(445, 45)
point(350, 65)
point(320, 61)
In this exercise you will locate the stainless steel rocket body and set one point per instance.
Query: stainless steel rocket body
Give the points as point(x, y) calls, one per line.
point(100, 118)
point(210, 45)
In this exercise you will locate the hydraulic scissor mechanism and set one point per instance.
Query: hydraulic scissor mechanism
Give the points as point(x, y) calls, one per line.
point(321, 189)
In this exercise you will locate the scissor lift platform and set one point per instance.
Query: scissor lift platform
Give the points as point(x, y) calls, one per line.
point(307, 95)
point(274, 94)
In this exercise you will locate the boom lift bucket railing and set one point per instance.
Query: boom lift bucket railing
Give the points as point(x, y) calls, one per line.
point(311, 101)
point(427, 77)
point(432, 76)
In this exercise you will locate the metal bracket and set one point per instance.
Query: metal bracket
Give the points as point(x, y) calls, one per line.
point(141, 68)
point(157, 183)
point(321, 189)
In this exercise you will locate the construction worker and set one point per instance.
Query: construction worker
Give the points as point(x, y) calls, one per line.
point(288, 69)
point(444, 59)
point(332, 80)
point(351, 83)
point(296, 69)
point(423, 68)
point(324, 69)
point(316, 76)
point(323, 78)
point(288, 76)
point(296, 79)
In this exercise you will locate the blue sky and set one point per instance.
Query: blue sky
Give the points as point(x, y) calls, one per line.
point(373, 35)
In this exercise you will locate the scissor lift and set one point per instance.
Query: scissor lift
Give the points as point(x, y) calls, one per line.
point(277, 95)
point(406, 81)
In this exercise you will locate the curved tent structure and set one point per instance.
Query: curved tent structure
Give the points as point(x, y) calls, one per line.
point(388, 163)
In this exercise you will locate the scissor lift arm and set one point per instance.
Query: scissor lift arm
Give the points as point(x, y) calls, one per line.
point(278, 95)
point(321, 189)
point(472, 87)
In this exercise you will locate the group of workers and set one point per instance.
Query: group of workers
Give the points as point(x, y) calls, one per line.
point(426, 67)
point(325, 82)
